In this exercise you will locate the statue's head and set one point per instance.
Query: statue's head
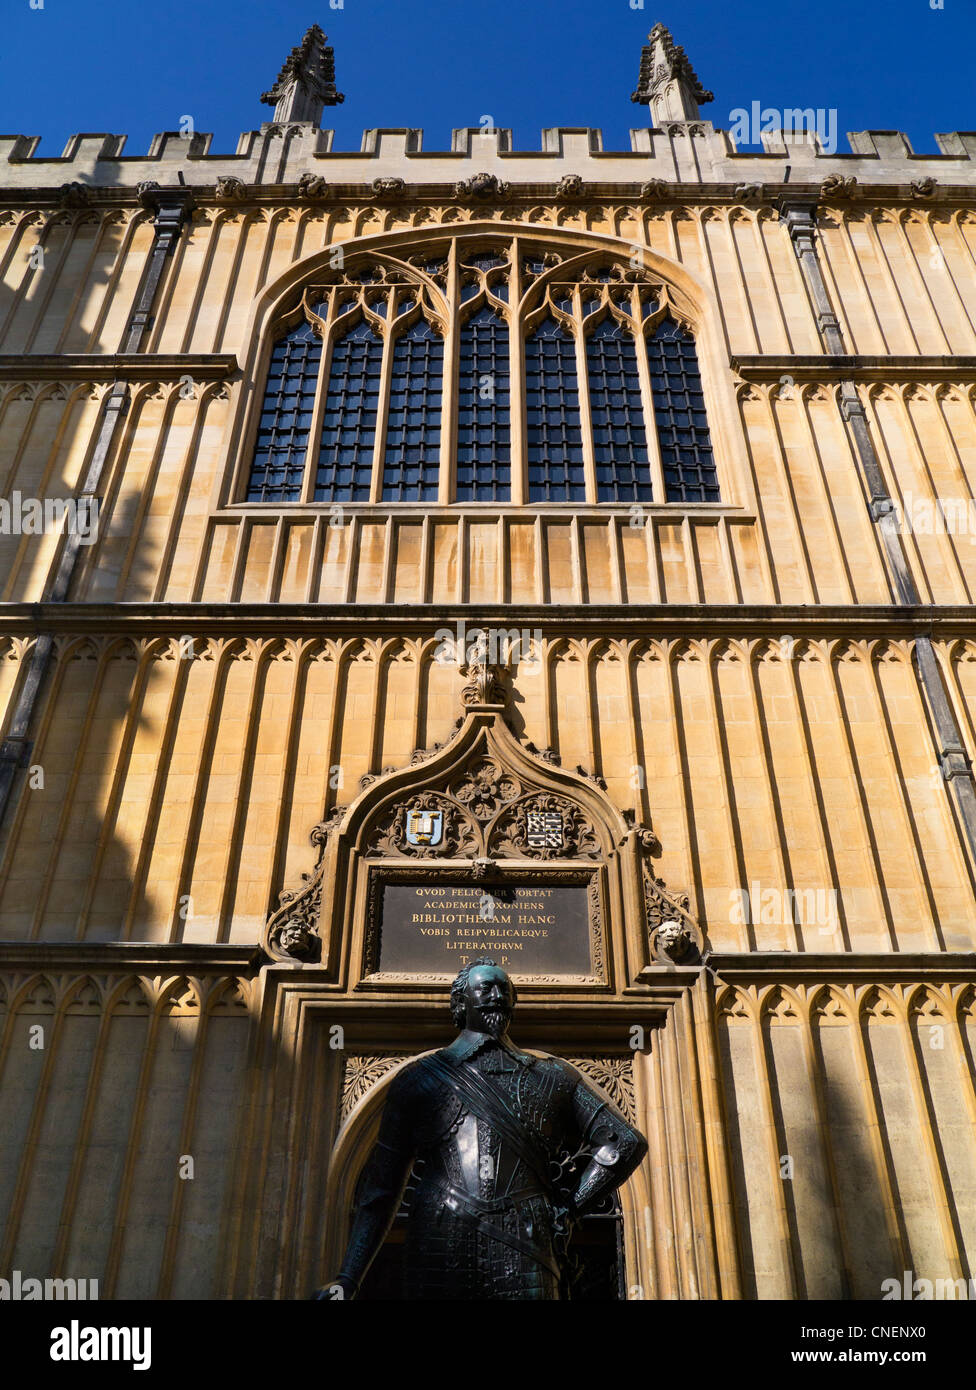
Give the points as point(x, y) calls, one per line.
point(295, 940)
point(483, 998)
point(673, 939)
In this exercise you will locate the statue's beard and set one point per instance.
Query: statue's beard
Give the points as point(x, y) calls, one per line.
point(495, 1021)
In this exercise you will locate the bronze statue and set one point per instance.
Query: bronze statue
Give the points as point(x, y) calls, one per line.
point(514, 1149)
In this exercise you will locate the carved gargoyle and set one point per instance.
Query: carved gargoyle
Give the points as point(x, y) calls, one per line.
point(389, 188)
point(481, 186)
point(836, 186)
point(570, 186)
point(231, 189)
point(312, 186)
point(674, 934)
point(673, 940)
point(74, 195)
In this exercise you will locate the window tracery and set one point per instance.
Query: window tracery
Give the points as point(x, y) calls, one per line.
point(485, 369)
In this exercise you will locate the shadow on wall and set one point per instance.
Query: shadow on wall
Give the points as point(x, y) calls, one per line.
point(121, 1096)
point(122, 1100)
point(831, 1149)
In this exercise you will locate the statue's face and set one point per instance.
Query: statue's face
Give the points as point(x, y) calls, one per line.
point(488, 1001)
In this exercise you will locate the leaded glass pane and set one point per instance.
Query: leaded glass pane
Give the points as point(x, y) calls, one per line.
point(617, 411)
point(278, 467)
point(413, 432)
point(679, 410)
point(484, 416)
point(349, 424)
point(552, 411)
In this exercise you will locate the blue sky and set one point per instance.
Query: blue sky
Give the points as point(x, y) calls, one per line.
point(122, 66)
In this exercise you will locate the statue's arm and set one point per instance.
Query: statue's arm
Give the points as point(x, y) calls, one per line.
point(617, 1147)
point(384, 1178)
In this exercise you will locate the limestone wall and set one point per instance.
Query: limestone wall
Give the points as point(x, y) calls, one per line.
point(179, 790)
point(224, 674)
point(792, 526)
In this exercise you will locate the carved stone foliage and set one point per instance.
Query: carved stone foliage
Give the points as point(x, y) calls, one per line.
point(547, 755)
point(544, 825)
point(485, 788)
point(361, 1074)
point(488, 814)
point(665, 66)
point(420, 755)
point(485, 684)
point(292, 930)
point(492, 803)
point(616, 1076)
point(675, 936)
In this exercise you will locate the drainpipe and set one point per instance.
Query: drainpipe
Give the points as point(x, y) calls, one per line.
point(954, 762)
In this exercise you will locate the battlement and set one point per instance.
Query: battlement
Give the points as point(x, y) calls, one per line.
point(692, 152)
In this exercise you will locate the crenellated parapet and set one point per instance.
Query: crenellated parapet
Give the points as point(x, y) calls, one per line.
point(690, 155)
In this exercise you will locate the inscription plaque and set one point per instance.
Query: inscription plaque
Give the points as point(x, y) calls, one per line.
point(533, 928)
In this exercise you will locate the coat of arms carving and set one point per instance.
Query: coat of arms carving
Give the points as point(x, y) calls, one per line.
point(424, 826)
point(544, 829)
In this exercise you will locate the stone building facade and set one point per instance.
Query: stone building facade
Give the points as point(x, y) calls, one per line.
point(611, 511)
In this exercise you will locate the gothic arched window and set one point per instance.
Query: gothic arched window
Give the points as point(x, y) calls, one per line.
point(484, 439)
point(278, 470)
point(349, 420)
point(617, 415)
point(481, 369)
point(552, 415)
point(413, 430)
point(679, 412)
